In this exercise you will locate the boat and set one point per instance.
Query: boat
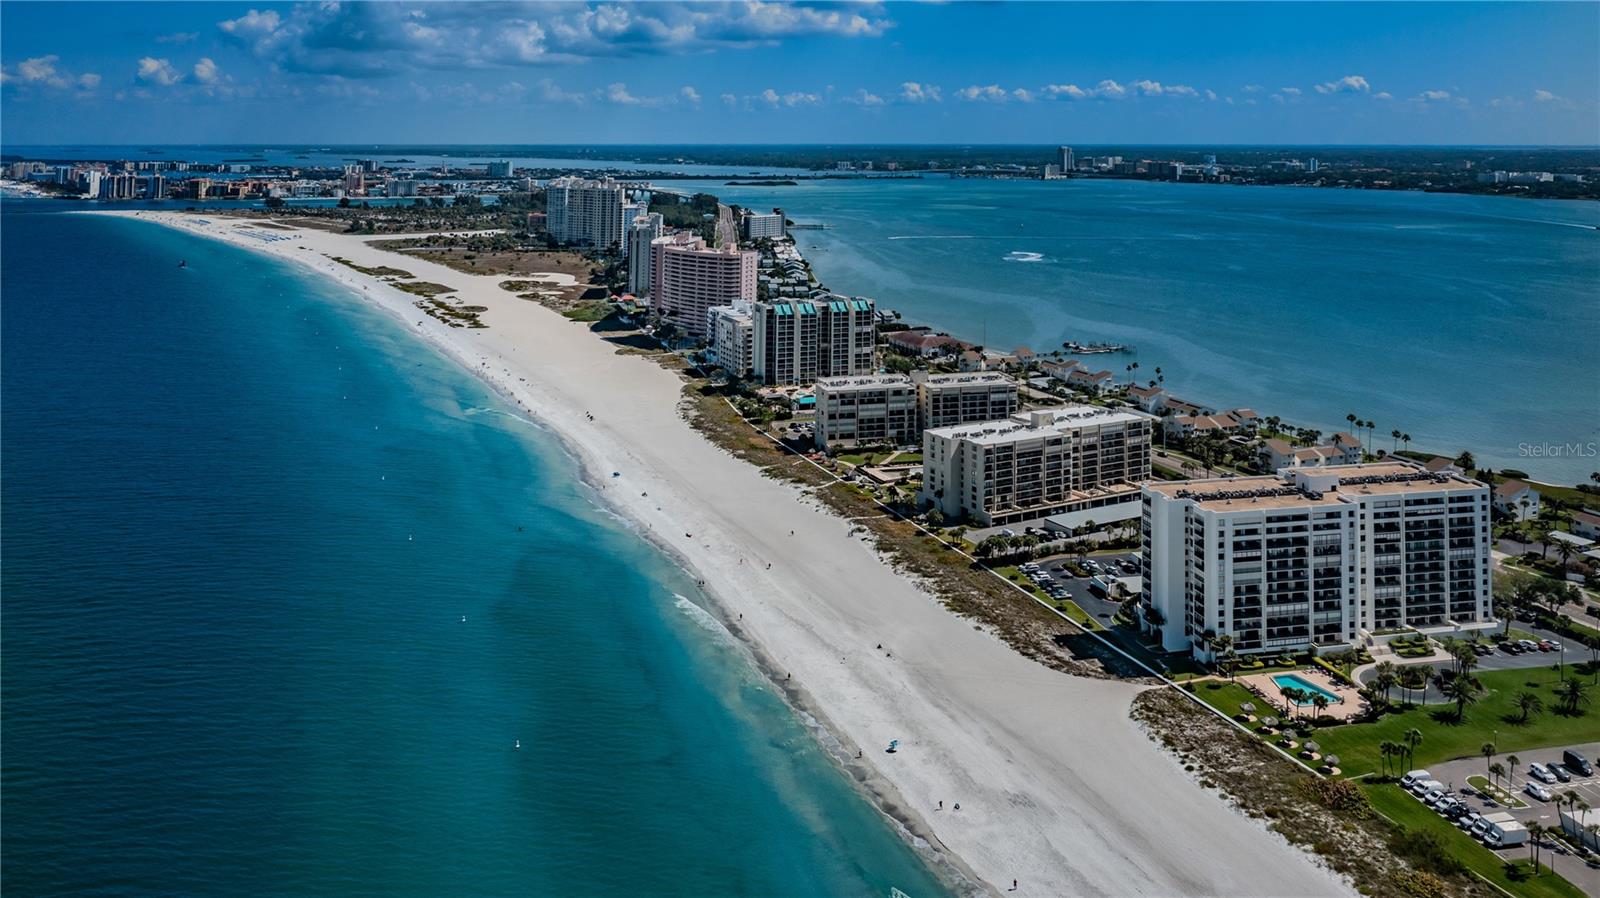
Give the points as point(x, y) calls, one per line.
point(1076, 348)
point(183, 263)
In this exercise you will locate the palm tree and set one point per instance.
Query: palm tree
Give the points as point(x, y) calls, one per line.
point(1384, 678)
point(1496, 770)
point(1535, 832)
point(1511, 764)
point(1574, 695)
point(1488, 751)
point(1528, 705)
point(1320, 702)
point(1396, 434)
point(1387, 750)
point(1406, 438)
point(1462, 690)
point(1412, 739)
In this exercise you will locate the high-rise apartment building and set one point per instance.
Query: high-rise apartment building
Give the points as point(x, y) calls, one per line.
point(798, 341)
point(1314, 557)
point(730, 333)
point(1066, 160)
point(642, 231)
point(945, 400)
point(1036, 463)
point(688, 278)
point(585, 213)
point(767, 225)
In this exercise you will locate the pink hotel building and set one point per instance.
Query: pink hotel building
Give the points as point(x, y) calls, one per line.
point(688, 278)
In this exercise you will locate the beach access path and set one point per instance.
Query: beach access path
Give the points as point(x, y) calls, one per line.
point(1058, 787)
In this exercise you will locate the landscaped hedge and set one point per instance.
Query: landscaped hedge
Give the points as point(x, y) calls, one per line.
point(1334, 671)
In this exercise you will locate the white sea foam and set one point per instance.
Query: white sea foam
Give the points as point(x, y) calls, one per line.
point(703, 619)
point(1018, 255)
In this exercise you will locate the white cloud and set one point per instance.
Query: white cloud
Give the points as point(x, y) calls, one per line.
point(1111, 90)
point(618, 93)
point(864, 97)
point(1146, 88)
point(88, 81)
point(1070, 91)
point(1349, 84)
point(253, 25)
point(1383, 95)
point(551, 92)
point(770, 97)
point(40, 70)
point(205, 71)
point(1212, 95)
point(1251, 88)
point(1023, 94)
point(689, 94)
point(990, 93)
point(800, 98)
point(158, 71)
point(1543, 96)
point(1289, 91)
point(914, 92)
point(1434, 96)
point(730, 100)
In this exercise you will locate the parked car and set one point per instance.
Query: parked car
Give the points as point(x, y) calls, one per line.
point(1483, 648)
point(1414, 777)
point(1559, 771)
point(1422, 787)
point(1577, 763)
point(1538, 772)
point(1479, 827)
point(1528, 645)
point(1432, 796)
point(1469, 820)
point(1538, 791)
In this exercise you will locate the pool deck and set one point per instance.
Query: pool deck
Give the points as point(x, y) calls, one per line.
point(1348, 705)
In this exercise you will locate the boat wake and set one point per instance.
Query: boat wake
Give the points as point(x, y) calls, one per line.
point(1018, 255)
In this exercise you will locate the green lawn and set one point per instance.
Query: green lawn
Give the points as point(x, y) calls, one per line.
point(1395, 804)
point(1443, 738)
point(1226, 697)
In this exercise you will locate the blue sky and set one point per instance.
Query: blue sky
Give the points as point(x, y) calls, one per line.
point(758, 72)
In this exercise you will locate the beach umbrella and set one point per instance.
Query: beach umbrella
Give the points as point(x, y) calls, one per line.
point(1269, 721)
point(1331, 760)
point(1247, 707)
point(1311, 746)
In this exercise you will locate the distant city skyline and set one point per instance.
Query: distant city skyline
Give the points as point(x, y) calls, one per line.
point(757, 72)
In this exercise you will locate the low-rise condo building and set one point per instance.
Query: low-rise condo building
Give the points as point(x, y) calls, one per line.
point(1036, 463)
point(871, 410)
point(1312, 558)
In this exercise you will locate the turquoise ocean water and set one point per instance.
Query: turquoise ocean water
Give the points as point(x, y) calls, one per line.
point(283, 591)
point(1464, 321)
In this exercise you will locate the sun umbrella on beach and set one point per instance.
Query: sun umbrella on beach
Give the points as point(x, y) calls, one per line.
point(1311, 746)
point(1331, 760)
point(1247, 707)
point(1269, 721)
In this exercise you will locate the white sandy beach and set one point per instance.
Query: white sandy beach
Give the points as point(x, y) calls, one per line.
point(1058, 788)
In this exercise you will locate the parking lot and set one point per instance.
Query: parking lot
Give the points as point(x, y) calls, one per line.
point(1584, 873)
point(1077, 588)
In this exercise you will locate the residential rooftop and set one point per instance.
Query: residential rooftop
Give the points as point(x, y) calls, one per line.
point(1312, 487)
point(1038, 421)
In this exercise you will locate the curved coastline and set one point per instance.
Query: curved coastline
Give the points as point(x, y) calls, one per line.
point(1035, 810)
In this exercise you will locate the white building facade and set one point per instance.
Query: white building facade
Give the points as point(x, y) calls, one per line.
point(1036, 463)
point(581, 212)
point(1314, 558)
point(872, 410)
point(642, 231)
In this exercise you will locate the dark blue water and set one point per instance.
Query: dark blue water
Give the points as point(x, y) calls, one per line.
point(244, 517)
point(1469, 322)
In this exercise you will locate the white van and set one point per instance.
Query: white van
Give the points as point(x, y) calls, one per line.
point(1414, 777)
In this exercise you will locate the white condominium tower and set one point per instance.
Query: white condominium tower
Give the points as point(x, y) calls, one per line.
point(585, 213)
point(798, 341)
point(688, 278)
point(642, 231)
point(1314, 557)
point(1036, 463)
point(896, 408)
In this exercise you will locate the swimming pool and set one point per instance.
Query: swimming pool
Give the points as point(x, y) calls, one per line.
point(1288, 680)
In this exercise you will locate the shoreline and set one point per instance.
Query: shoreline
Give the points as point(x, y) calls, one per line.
point(1048, 766)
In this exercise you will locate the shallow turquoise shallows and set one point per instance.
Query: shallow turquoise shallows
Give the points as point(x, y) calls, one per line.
point(284, 592)
point(1464, 321)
